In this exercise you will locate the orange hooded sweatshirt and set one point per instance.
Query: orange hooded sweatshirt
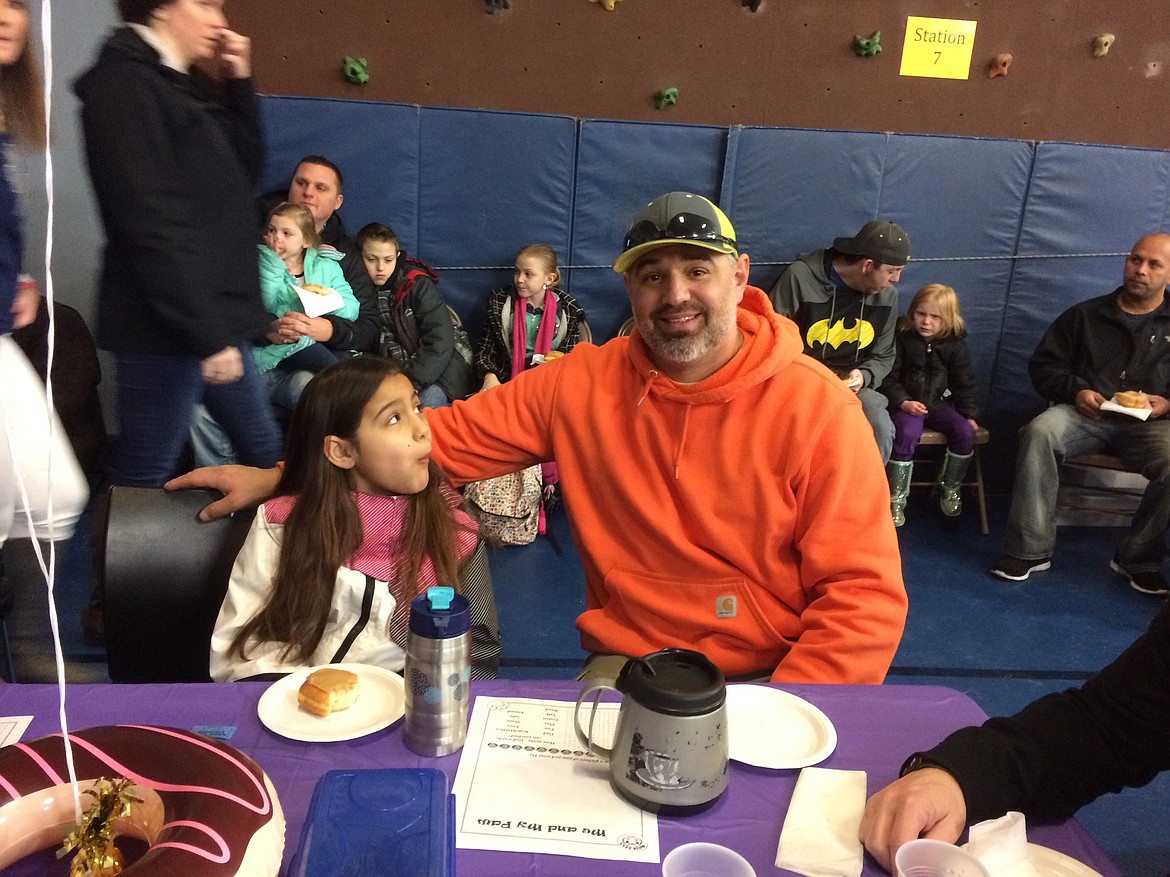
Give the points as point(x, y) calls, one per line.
point(746, 516)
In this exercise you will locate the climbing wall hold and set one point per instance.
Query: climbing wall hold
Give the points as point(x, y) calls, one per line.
point(867, 46)
point(999, 65)
point(494, 6)
point(1102, 45)
point(608, 4)
point(355, 70)
point(666, 97)
point(753, 5)
point(1153, 68)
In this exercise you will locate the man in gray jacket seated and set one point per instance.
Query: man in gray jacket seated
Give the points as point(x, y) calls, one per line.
point(846, 304)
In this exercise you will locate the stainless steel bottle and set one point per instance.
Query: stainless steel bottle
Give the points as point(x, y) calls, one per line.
point(438, 672)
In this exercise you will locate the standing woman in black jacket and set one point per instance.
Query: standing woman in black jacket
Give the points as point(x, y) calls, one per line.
point(173, 142)
point(931, 384)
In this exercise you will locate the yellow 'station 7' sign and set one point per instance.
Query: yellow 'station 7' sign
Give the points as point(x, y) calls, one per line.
point(938, 47)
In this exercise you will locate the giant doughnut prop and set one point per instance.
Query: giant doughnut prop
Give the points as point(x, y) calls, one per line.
point(207, 809)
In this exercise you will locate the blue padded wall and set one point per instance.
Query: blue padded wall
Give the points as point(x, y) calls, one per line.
point(620, 167)
point(491, 183)
point(1021, 230)
point(779, 183)
point(375, 145)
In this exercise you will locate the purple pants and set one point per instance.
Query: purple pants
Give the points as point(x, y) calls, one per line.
point(908, 431)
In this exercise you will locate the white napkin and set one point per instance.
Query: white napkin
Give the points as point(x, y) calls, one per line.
point(1139, 413)
point(1002, 846)
point(317, 304)
point(819, 837)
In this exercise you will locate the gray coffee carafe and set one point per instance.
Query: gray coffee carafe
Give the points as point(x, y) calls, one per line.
point(670, 748)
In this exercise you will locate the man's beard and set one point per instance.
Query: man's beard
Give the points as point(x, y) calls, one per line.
point(687, 347)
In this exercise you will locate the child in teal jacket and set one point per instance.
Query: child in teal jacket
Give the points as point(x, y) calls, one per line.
point(292, 256)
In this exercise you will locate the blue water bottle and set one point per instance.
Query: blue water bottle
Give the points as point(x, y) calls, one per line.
point(438, 672)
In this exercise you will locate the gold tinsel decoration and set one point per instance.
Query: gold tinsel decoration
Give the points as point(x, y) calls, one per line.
point(93, 837)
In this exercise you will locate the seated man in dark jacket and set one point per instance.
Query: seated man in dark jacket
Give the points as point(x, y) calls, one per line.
point(410, 322)
point(317, 185)
point(1115, 342)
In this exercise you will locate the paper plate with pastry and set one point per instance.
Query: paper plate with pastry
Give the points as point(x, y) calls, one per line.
point(333, 702)
point(318, 300)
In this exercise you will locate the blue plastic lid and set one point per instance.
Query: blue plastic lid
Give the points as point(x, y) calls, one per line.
point(366, 823)
point(440, 613)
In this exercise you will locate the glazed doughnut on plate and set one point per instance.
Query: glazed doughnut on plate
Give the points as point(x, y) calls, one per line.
point(207, 809)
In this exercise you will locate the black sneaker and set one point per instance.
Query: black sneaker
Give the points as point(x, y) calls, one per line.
point(1017, 569)
point(1149, 581)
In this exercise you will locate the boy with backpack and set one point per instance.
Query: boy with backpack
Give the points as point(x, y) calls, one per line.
point(408, 321)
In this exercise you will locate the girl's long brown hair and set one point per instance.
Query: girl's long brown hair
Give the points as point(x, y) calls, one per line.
point(323, 529)
point(23, 99)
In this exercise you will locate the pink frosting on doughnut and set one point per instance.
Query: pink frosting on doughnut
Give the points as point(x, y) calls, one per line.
point(220, 816)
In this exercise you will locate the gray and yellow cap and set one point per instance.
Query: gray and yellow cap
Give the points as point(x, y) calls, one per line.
point(677, 218)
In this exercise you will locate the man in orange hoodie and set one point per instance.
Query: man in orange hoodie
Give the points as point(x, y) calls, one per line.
point(715, 478)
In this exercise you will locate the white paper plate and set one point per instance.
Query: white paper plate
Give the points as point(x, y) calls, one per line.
point(772, 728)
point(1047, 862)
point(381, 702)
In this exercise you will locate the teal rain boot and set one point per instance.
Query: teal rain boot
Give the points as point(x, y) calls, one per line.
point(899, 474)
point(950, 483)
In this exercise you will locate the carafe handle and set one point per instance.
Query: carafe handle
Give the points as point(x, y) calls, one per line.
point(587, 739)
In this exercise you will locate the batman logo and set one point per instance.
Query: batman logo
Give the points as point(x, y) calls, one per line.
point(834, 336)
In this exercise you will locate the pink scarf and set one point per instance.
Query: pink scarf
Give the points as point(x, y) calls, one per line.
point(544, 334)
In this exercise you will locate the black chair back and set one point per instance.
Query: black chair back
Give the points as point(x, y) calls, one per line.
point(166, 573)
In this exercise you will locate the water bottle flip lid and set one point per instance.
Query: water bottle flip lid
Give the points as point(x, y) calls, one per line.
point(440, 596)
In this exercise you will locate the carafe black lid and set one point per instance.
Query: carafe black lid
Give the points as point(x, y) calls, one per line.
point(678, 682)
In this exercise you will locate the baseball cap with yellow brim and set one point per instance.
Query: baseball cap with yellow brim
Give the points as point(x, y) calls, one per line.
point(677, 218)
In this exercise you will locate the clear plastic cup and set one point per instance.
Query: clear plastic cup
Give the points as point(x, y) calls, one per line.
point(705, 860)
point(936, 858)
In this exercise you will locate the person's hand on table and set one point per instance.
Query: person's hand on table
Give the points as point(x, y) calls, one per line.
point(243, 487)
point(925, 803)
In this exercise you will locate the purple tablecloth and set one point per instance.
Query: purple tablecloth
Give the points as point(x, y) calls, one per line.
point(877, 727)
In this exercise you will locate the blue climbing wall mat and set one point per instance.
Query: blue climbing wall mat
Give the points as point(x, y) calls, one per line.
point(489, 184)
point(375, 145)
point(790, 191)
point(620, 167)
